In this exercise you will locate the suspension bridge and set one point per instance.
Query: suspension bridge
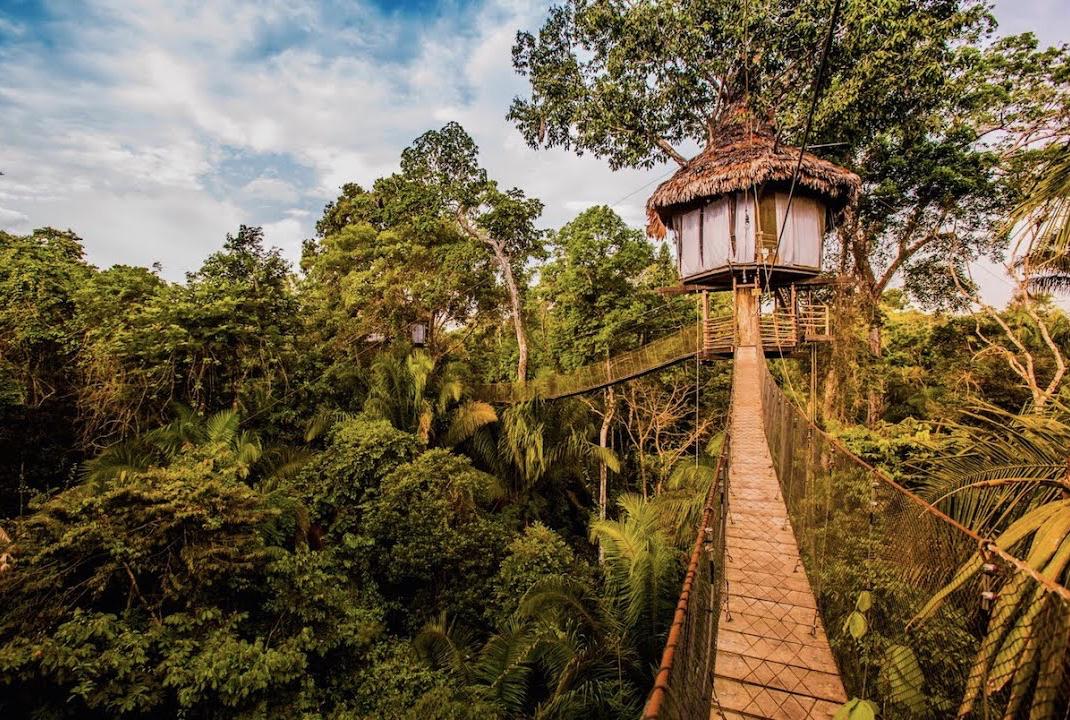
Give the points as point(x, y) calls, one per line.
point(717, 337)
point(810, 588)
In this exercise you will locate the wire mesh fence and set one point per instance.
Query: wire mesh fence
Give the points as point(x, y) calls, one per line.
point(683, 687)
point(926, 619)
point(623, 366)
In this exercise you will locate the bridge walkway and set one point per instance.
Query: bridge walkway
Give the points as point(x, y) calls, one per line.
point(773, 658)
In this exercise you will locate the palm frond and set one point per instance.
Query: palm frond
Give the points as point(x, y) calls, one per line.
point(641, 564)
point(604, 456)
point(446, 648)
point(467, 418)
point(555, 596)
point(125, 458)
point(504, 666)
point(222, 427)
point(322, 421)
point(1004, 465)
point(280, 463)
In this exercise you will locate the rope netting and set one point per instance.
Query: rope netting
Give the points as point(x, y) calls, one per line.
point(623, 366)
point(683, 686)
point(926, 619)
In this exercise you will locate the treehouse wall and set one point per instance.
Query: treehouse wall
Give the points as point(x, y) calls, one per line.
point(736, 230)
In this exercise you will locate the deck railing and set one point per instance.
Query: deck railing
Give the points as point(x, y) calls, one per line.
point(781, 330)
point(778, 330)
point(814, 322)
point(720, 335)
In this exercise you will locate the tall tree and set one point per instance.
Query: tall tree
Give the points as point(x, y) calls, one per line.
point(913, 102)
point(374, 272)
point(225, 338)
point(600, 286)
point(441, 176)
point(40, 277)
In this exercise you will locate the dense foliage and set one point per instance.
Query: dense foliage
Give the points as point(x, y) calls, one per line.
point(249, 495)
point(274, 492)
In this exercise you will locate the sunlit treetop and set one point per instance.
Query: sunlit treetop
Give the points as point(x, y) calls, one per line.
point(640, 82)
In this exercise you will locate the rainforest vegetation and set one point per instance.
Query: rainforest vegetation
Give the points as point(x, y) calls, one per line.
point(273, 490)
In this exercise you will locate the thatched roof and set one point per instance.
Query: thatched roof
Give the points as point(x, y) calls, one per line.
point(746, 154)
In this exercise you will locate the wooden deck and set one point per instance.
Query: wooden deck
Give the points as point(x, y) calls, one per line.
point(773, 659)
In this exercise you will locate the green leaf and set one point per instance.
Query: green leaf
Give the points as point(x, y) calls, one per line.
point(865, 601)
point(844, 711)
point(856, 625)
point(905, 678)
point(856, 709)
point(864, 710)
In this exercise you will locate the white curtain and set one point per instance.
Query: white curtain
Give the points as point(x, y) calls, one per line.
point(716, 240)
point(690, 262)
point(745, 224)
point(786, 228)
point(801, 243)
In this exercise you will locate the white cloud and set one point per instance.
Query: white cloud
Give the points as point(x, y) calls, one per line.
point(150, 126)
point(271, 190)
point(9, 27)
point(177, 227)
point(13, 220)
point(287, 234)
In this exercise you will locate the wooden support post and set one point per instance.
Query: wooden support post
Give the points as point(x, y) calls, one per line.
point(704, 333)
point(794, 315)
point(748, 332)
point(813, 383)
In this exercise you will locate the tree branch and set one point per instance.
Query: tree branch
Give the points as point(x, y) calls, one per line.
point(670, 151)
point(908, 250)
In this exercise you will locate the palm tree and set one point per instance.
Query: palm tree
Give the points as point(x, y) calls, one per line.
point(1011, 481)
point(417, 396)
point(539, 447)
point(584, 649)
point(571, 650)
point(1044, 217)
point(498, 673)
point(189, 429)
point(561, 656)
point(642, 571)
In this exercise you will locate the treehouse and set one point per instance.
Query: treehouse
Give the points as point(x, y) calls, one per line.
point(729, 214)
point(749, 214)
point(417, 333)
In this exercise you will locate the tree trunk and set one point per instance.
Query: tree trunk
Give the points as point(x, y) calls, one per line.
point(517, 311)
point(603, 471)
point(830, 407)
point(746, 309)
point(875, 395)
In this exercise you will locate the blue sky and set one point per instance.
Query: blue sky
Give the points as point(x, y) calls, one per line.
point(154, 127)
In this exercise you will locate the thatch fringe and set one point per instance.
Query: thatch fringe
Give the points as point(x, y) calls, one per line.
point(745, 155)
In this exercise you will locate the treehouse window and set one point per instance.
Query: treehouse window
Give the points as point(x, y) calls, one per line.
point(744, 235)
point(418, 332)
point(739, 230)
point(767, 228)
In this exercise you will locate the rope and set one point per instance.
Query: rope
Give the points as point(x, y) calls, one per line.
point(818, 81)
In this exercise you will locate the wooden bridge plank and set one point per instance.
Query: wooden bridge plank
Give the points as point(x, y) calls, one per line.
point(773, 657)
